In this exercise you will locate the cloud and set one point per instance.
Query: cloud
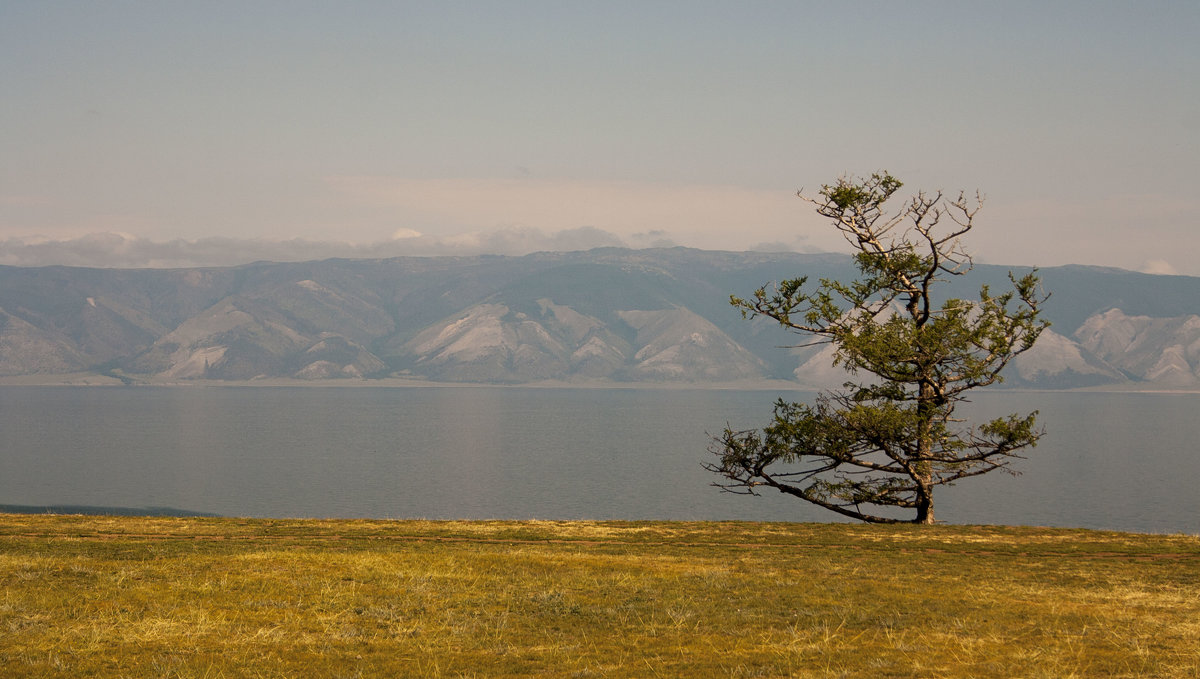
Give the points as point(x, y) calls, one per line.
point(464, 217)
point(771, 247)
point(653, 239)
point(1159, 266)
point(711, 216)
point(523, 240)
point(117, 250)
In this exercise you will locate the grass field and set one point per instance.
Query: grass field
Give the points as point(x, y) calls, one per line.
point(152, 597)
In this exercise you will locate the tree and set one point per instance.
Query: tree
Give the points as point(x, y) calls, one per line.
point(877, 448)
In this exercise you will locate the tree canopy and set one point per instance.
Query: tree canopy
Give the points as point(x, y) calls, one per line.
point(875, 449)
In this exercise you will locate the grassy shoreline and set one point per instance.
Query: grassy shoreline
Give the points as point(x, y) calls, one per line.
point(220, 597)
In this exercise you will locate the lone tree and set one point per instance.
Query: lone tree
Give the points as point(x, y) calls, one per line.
point(889, 440)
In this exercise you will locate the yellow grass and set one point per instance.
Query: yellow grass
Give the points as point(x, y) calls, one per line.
point(143, 597)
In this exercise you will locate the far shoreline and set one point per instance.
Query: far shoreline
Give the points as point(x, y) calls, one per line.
point(87, 379)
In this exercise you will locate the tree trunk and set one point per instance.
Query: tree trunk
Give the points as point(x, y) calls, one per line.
point(924, 468)
point(924, 510)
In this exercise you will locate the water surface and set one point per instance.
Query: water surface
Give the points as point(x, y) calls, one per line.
point(1119, 461)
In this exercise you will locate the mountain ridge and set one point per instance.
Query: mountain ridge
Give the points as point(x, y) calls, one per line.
point(606, 315)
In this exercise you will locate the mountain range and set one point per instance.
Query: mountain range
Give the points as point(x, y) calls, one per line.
point(601, 316)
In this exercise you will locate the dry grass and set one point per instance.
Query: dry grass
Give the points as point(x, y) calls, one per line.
point(137, 597)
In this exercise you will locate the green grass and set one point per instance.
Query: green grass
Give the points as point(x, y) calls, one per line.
point(151, 597)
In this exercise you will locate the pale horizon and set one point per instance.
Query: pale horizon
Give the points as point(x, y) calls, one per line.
point(147, 135)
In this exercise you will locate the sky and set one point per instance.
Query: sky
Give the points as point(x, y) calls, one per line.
point(188, 133)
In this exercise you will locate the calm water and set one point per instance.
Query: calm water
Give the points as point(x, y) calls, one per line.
point(1119, 461)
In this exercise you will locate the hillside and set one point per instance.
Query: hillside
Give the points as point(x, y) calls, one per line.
point(607, 315)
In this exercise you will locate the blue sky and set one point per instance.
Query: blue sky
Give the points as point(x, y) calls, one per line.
point(430, 128)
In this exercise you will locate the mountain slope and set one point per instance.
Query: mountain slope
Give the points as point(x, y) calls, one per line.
point(1163, 351)
point(607, 314)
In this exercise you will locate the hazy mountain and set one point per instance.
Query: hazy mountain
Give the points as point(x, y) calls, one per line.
point(1058, 361)
point(609, 314)
point(1163, 351)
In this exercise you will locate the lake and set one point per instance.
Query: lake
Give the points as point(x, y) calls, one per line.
point(1112, 461)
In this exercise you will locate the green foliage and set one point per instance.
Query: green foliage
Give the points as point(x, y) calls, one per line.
point(888, 441)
